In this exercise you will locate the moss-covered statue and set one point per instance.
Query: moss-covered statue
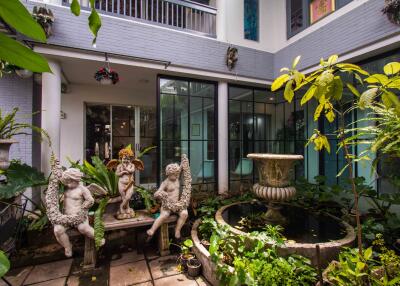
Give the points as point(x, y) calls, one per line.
point(76, 203)
point(171, 199)
point(125, 171)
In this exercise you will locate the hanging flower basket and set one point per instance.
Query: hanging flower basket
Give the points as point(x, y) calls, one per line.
point(45, 18)
point(392, 11)
point(106, 76)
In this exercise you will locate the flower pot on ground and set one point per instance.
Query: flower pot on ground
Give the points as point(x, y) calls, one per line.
point(184, 259)
point(194, 267)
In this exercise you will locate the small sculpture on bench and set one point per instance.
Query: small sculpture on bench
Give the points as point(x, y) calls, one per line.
point(77, 201)
point(171, 199)
point(125, 171)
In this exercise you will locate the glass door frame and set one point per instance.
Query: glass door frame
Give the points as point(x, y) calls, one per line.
point(169, 77)
point(135, 145)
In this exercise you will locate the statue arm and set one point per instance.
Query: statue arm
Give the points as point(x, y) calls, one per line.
point(161, 191)
point(88, 199)
point(120, 171)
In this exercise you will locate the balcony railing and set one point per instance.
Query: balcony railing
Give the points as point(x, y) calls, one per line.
point(179, 14)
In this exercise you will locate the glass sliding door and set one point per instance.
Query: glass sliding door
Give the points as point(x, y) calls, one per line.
point(109, 128)
point(187, 126)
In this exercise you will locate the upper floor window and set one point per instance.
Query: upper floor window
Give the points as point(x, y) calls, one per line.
point(251, 19)
point(303, 13)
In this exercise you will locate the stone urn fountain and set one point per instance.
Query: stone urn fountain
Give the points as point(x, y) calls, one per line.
point(274, 182)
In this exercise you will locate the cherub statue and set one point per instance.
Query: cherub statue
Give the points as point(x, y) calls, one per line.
point(126, 168)
point(171, 199)
point(77, 201)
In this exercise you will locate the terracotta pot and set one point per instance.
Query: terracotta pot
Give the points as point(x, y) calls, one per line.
point(5, 145)
point(155, 209)
point(194, 267)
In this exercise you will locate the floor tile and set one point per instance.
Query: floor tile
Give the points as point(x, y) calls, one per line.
point(54, 282)
point(17, 276)
point(130, 273)
point(73, 280)
point(164, 266)
point(49, 271)
point(152, 253)
point(176, 280)
point(123, 258)
point(202, 282)
point(149, 283)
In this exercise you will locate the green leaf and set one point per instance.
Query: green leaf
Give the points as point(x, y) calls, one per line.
point(391, 68)
point(295, 62)
point(377, 78)
point(75, 8)
point(278, 82)
point(353, 89)
point(4, 264)
point(18, 17)
point(386, 100)
point(318, 111)
point(308, 95)
point(288, 94)
point(337, 88)
point(392, 97)
point(99, 228)
point(19, 177)
point(17, 54)
point(94, 24)
point(368, 253)
point(333, 59)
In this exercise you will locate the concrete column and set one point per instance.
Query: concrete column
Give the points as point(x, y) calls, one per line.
point(223, 164)
point(51, 111)
point(221, 20)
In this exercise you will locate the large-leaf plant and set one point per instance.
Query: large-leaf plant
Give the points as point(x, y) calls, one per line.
point(17, 17)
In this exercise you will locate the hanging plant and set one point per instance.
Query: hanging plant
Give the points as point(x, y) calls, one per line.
point(106, 75)
point(392, 11)
point(45, 18)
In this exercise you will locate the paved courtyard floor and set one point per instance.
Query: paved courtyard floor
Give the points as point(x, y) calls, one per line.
point(128, 268)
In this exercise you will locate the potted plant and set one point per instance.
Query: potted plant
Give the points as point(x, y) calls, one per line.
point(186, 254)
point(45, 18)
point(194, 267)
point(9, 127)
point(106, 76)
point(392, 11)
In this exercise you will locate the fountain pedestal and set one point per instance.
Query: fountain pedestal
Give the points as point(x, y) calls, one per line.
point(274, 182)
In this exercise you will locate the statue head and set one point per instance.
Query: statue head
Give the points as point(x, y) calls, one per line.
point(126, 154)
point(173, 171)
point(71, 178)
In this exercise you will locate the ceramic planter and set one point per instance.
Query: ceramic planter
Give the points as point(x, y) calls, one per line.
point(184, 258)
point(194, 267)
point(5, 145)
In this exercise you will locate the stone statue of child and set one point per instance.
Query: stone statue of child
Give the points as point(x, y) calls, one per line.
point(77, 201)
point(126, 183)
point(169, 195)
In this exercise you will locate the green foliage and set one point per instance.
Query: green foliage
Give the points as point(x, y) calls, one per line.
point(368, 269)
point(147, 196)
point(12, 51)
point(9, 127)
point(248, 260)
point(4, 264)
point(19, 177)
point(98, 174)
point(98, 223)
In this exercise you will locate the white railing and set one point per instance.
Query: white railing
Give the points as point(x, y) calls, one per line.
point(179, 14)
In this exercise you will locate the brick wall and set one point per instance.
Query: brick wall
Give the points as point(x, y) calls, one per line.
point(17, 92)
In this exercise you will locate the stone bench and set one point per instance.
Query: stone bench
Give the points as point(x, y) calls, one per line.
point(142, 218)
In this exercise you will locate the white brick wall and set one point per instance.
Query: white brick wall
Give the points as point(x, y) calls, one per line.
point(17, 92)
